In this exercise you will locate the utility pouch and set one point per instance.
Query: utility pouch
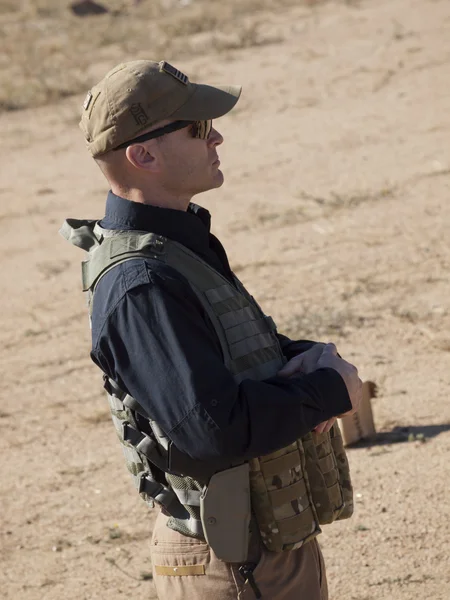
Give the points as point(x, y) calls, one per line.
point(323, 476)
point(344, 472)
point(225, 513)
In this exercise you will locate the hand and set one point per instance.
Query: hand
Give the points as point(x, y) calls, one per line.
point(325, 425)
point(347, 371)
point(306, 362)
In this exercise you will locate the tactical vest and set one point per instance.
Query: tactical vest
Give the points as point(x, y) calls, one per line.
point(293, 490)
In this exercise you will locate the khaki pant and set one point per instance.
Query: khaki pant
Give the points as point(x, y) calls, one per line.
point(185, 568)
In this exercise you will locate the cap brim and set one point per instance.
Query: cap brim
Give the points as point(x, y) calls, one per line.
point(208, 102)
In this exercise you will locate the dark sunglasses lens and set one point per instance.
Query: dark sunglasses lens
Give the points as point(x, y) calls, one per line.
point(202, 129)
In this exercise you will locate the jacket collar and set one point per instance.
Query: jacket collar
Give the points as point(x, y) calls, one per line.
point(190, 228)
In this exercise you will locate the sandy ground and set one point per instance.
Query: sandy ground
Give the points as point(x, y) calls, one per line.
point(335, 215)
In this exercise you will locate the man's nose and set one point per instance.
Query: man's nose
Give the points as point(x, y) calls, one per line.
point(215, 138)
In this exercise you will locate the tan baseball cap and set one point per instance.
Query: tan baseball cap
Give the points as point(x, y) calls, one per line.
point(136, 95)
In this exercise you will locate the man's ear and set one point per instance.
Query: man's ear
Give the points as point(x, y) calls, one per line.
point(141, 157)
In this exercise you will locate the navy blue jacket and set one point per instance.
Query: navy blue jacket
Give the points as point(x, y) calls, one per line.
point(150, 335)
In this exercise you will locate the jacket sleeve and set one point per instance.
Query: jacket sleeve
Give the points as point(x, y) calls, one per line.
point(158, 345)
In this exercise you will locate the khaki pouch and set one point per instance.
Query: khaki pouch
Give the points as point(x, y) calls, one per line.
point(281, 499)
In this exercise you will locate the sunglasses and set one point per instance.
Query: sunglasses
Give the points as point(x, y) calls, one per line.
point(199, 129)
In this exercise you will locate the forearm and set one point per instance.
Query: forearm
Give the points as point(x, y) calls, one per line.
point(257, 418)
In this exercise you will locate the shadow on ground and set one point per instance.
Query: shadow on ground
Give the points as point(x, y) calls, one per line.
point(410, 433)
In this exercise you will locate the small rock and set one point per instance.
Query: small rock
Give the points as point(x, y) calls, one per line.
point(115, 533)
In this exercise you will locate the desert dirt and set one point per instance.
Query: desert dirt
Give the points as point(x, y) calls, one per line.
point(334, 213)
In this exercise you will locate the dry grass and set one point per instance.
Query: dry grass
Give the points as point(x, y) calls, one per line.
point(47, 53)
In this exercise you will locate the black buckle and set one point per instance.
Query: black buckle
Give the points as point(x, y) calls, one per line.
point(112, 388)
point(129, 432)
point(143, 475)
point(145, 480)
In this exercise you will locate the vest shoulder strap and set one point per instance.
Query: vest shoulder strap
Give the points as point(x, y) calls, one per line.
point(80, 232)
point(118, 249)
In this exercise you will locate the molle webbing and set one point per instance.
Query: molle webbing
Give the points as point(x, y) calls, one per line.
point(179, 501)
point(281, 499)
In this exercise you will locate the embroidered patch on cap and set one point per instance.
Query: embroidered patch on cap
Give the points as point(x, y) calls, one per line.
point(87, 100)
point(139, 114)
point(170, 70)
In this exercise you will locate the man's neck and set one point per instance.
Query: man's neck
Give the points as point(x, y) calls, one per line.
point(161, 198)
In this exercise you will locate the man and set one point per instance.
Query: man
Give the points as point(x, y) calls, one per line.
point(213, 406)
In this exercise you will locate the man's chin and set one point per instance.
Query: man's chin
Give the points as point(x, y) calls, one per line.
point(214, 183)
point(219, 178)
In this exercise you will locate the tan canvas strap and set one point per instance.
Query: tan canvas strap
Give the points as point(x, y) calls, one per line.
point(281, 464)
point(327, 463)
point(321, 443)
point(296, 523)
point(331, 478)
point(288, 494)
point(335, 491)
point(179, 571)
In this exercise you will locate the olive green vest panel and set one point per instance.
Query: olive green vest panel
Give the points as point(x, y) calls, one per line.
point(294, 489)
